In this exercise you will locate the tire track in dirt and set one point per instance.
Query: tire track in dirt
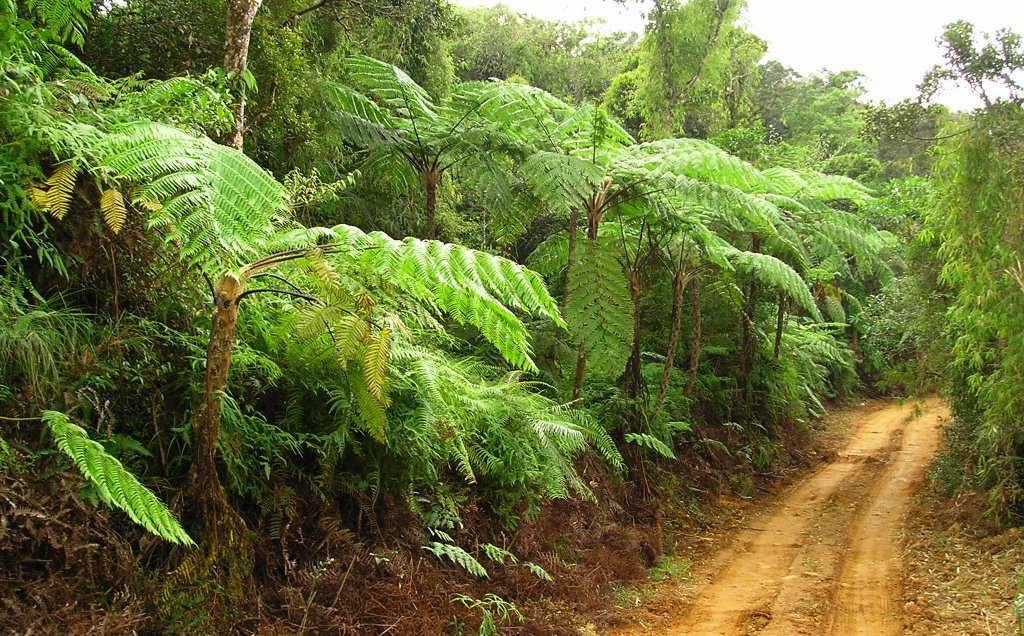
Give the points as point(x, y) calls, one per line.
point(822, 559)
point(870, 573)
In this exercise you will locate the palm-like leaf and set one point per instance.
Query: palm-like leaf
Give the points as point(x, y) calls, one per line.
point(219, 207)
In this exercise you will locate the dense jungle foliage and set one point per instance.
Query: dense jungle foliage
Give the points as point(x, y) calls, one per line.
point(515, 294)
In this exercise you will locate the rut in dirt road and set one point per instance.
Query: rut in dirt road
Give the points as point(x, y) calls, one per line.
point(823, 560)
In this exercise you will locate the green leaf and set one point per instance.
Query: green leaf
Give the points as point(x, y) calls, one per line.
point(115, 484)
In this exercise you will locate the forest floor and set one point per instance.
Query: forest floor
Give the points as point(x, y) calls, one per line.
point(860, 545)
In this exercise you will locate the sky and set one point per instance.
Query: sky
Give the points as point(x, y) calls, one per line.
point(892, 42)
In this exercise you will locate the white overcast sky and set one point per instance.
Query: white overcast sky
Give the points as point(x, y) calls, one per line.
point(891, 41)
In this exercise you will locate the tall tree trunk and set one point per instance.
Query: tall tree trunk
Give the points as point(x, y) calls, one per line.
point(632, 378)
point(679, 282)
point(696, 339)
point(779, 322)
point(574, 221)
point(747, 346)
point(238, 28)
point(430, 180)
point(207, 495)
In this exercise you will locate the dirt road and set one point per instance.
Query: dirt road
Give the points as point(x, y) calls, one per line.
point(822, 560)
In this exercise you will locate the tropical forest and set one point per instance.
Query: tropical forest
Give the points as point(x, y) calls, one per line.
point(338, 317)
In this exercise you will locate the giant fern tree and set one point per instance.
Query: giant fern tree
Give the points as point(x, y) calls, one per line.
point(409, 136)
point(228, 218)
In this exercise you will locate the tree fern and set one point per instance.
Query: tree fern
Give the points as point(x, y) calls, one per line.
point(116, 485)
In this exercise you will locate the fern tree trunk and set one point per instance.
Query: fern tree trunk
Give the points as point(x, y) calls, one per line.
point(207, 495)
point(222, 567)
point(430, 180)
point(779, 322)
point(632, 378)
point(238, 28)
point(679, 282)
point(747, 346)
point(696, 338)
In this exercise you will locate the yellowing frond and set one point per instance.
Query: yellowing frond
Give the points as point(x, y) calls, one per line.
point(375, 364)
point(38, 198)
point(60, 186)
point(151, 205)
point(112, 207)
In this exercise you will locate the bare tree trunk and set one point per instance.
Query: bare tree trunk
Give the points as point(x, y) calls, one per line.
point(632, 378)
point(779, 322)
point(430, 180)
point(679, 282)
point(581, 372)
point(747, 347)
point(207, 495)
point(238, 28)
point(696, 338)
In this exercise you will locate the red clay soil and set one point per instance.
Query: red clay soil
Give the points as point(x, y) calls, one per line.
point(826, 557)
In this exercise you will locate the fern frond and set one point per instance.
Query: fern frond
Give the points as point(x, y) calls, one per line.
point(650, 442)
point(598, 308)
point(458, 556)
point(498, 555)
point(771, 271)
point(561, 181)
point(375, 364)
point(471, 286)
point(115, 484)
point(370, 412)
point(59, 190)
point(391, 86)
point(221, 207)
point(834, 188)
point(113, 210)
point(538, 571)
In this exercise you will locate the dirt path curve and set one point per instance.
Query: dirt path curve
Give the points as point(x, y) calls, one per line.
point(822, 560)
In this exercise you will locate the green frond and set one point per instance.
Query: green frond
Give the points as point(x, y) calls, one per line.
point(551, 256)
point(834, 309)
point(598, 308)
point(218, 206)
point(370, 412)
point(116, 485)
point(590, 133)
point(699, 160)
point(458, 556)
point(497, 554)
point(831, 187)
point(771, 271)
point(538, 571)
point(650, 442)
point(391, 86)
point(66, 18)
point(561, 181)
point(359, 119)
point(783, 181)
point(471, 286)
point(525, 113)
